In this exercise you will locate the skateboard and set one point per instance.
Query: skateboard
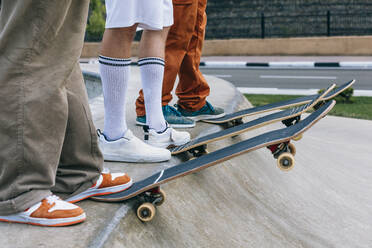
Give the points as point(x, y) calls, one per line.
point(198, 147)
point(236, 117)
point(148, 191)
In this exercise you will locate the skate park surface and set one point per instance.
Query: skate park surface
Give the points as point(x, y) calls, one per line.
point(325, 201)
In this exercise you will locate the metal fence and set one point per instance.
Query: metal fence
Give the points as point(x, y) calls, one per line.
point(298, 25)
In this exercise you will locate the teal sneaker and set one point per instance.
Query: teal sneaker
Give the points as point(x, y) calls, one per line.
point(172, 116)
point(207, 112)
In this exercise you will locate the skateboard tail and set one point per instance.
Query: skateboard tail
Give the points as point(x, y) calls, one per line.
point(339, 90)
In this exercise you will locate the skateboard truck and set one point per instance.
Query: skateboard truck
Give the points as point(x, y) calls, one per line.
point(233, 123)
point(199, 151)
point(284, 153)
point(238, 121)
point(150, 199)
point(291, 121)
point(319, 104)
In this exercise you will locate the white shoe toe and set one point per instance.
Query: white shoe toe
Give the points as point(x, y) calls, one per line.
point(131, 149)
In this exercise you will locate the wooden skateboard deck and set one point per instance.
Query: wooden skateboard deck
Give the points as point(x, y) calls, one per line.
point(278, 105)
point(290, 116)
point(148, 189)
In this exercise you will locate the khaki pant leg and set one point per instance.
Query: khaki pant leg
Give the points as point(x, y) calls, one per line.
point(38, 52)
point(81, 160)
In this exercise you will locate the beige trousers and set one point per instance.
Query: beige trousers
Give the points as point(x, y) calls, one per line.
point(48, 142)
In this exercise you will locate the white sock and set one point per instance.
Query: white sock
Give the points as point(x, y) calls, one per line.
point(115, 75)
point(152, 72)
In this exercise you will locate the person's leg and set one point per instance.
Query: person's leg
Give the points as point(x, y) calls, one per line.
point(81, 160)
point(115, 73)
point(117, 142)
point(116, 42)
point(80, 171)
point(34, 106)
point(151, 63)
point(193, 89)
point(46, 112)
point(177, 43)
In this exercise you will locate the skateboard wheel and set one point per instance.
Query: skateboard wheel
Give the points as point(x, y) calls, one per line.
point(298, 137)
point(285, 161)
point(162, 197)
point(292, 149)
point(146, 212)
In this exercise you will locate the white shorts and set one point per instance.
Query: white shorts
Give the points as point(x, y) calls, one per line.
point(149, 14)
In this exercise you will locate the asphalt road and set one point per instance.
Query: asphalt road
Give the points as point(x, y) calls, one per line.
point(292, 78)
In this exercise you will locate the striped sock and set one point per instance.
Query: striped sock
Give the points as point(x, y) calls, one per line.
point(152, 72)
point(115, 75)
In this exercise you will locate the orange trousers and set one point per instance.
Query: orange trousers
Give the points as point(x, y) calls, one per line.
point(182, 57)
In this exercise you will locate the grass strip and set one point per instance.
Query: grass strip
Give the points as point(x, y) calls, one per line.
point(360, 106)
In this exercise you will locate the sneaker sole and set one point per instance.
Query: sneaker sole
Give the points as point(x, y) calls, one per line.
point(172, 125)
point(169, 145)
point(115, 158)
point(45, 221)
point(205, 117)
point(104, 191)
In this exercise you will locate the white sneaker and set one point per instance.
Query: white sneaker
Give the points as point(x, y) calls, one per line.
point(51, 211)
point(129, 148)
point(169, 137)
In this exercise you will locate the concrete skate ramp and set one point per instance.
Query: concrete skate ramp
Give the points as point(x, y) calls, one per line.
point(325, 201)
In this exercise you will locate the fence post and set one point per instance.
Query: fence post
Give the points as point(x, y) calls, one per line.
point(262, 25)
point(328, 23)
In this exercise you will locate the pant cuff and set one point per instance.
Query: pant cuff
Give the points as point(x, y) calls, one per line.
point(23, 201)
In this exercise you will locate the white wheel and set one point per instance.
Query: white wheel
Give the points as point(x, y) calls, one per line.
point(298, 137)
point(285, 161)
point(146, 212)
point(292, 149)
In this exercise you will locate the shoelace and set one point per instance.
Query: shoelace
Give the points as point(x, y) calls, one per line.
point(52, 199)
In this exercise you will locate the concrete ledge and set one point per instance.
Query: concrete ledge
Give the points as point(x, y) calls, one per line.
point(319, 46)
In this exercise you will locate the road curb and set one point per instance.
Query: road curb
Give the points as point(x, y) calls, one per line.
point(295, 64)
